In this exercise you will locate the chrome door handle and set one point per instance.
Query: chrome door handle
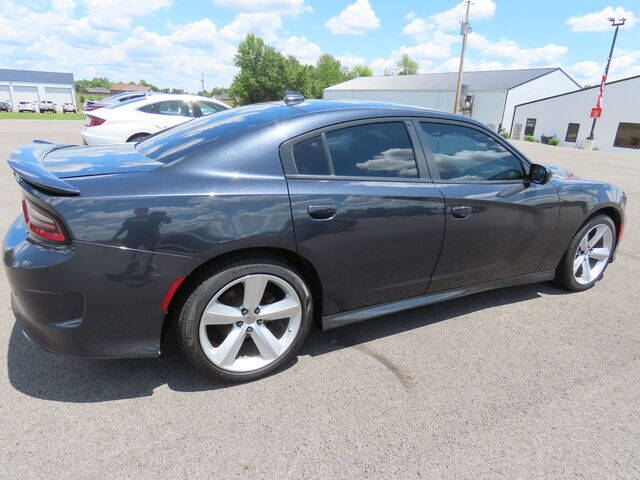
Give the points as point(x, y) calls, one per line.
point(321, 212)
point(461, 211)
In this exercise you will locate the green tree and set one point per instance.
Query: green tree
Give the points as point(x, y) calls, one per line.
point(328, 71)
point(406, 66)
point(263, 72)
point(146, 84)
point(361, 71)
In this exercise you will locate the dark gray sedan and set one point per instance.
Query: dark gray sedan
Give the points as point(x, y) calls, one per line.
point(239, 230)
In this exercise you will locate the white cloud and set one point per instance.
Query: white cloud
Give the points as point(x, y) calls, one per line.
point(550, 54)
point(380, 66)
point(350, 60)
point(597, 21)
point(301, 48)
point(452, 64)
point(262, 24)
point(448, 19)
point(590, 72)
point(439, 46)
point(283, 7)
point(117, 15)
point(355, 19)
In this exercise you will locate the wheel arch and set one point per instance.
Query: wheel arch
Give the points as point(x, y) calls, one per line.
point(297, 261)
point(613, 213)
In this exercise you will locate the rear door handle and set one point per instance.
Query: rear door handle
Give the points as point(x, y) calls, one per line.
point(462, 211)
point(321, 212)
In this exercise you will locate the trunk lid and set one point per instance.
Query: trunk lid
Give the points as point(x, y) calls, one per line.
point(46, 165)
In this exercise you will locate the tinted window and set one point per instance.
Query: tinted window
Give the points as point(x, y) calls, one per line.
point(179, 142)
point(628, 135)
point(373, 150)
point(170, 107)
point(465, 154)
point(572, 132)
point(310, 158)
point(208, 108)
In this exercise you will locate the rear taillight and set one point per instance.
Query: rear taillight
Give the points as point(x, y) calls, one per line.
point(43, 225)
point(94, 121)
point(93, 107)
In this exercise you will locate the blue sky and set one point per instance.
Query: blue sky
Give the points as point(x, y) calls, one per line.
point(171, 42)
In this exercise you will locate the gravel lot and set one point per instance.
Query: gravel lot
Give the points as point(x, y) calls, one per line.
point(524, 382)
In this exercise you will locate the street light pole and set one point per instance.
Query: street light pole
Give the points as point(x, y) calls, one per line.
point(464, 30)
point(614, 23)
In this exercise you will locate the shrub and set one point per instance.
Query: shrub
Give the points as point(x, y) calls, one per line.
point(529, 138)
point(505, 134)
point(554, 142)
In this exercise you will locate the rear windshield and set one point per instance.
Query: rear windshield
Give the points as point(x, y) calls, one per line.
point(179, 142)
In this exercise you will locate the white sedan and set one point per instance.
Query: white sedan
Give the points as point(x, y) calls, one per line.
point(135, 119)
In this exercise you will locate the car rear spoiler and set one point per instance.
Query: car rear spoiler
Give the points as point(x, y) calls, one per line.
point(26, 161)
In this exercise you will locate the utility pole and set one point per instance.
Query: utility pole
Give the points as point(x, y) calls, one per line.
point(464, 30)
point(202, 83)
point(597, 111)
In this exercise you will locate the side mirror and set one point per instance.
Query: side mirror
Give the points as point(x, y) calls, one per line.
point(539, 174)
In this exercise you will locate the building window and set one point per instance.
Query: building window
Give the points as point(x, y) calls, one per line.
point(628, 135)
point(530, 126)
point(572, 132)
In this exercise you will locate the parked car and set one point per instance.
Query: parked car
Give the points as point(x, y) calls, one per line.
point(140, 117)
point(5, 107)
point(116, 99)
point(69, 107)
point(26, 107)
point(238, 230)
point(47, 106)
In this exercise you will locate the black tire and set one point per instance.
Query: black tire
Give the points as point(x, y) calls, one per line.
point(205, 288)
point(564, 273)
point(137, 137)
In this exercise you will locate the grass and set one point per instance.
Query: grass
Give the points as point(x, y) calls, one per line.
point(48, 116)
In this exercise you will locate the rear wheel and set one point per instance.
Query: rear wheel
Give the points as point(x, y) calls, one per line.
point(588, 254)
point(245, 320)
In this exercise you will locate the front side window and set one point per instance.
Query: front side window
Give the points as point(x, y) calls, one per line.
point(372, 150)
point(628, 135)
point(572, 132)
point(464, 154)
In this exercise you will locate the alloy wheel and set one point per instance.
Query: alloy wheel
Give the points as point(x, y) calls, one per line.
point(593, 254)
point(250, 322)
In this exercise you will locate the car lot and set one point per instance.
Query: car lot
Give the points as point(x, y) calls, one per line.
point(522, 382)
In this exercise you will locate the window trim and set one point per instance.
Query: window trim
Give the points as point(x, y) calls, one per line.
point(431, 161)
point(290, 169)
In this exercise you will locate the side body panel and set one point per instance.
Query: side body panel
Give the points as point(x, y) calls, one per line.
point(507, 232)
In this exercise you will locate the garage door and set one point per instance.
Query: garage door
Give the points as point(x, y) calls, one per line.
point(4, 94)
point(58, 95)
point(25, 94)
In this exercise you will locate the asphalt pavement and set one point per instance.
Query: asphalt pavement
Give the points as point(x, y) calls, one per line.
point(523, 382)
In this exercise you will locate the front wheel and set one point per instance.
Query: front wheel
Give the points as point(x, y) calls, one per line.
point(245, 320)
point(588, 254)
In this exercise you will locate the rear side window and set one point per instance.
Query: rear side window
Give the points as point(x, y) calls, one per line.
point(465, 154)
point(310, 158)
point(170, 107)
point(207, 108)
point(372, 150)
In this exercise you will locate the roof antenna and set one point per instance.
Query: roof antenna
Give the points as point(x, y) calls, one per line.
point(292, 98)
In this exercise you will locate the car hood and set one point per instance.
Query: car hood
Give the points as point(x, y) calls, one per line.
point(69, 162)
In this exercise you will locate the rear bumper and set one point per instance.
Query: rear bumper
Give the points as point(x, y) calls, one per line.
point(92, 138)
point(85, 300)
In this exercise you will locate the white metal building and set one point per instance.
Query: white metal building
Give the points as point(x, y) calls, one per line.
point(32, 86)
point(567, 117)
point(489, 96)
